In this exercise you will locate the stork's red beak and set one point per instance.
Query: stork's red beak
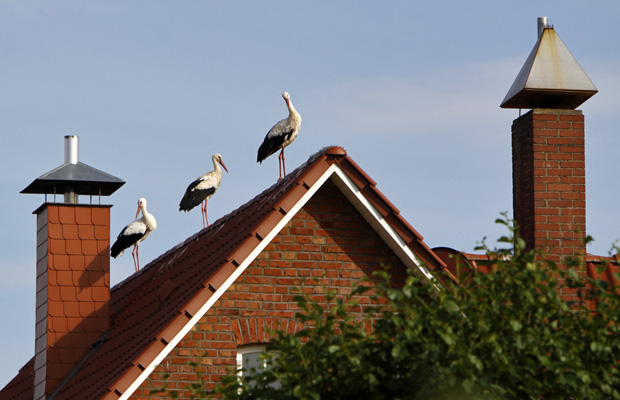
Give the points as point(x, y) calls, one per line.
point(222, 163)
point(138, 212)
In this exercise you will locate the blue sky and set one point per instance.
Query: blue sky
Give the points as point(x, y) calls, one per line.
point(411, 90)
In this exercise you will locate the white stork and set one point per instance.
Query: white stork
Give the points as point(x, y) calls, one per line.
point(134, 233)
point(281, 135)
point(202, 188)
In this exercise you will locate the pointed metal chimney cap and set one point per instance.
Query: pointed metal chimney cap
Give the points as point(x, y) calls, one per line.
point(74, 177)
point(550, 77)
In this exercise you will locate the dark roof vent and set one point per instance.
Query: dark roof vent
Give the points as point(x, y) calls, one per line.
point(74, 178)
point(550, 77)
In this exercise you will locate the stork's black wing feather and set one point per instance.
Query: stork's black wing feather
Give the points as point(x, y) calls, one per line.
point(271, 145)
point(125, 240)
point(194, 196)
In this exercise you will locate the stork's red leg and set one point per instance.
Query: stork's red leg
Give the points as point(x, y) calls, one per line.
point(280, 162)
point(205, 212)
point(203, 209)
point(136, 254)
point(279, 168)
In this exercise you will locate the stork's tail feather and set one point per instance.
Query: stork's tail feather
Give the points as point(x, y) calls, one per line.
point(189, 201)
point(185, 205)
point(264, 151)
point(116, 251)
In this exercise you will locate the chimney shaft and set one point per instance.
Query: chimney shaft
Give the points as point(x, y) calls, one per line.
point(73, 288)
point(549, 183)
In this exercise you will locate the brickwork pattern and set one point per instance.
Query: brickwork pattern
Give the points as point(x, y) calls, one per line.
point(549, 192)
point(326, 244)
point(73, 288)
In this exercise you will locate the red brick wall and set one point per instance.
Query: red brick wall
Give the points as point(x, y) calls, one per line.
point(549, 192)
point(327, 244)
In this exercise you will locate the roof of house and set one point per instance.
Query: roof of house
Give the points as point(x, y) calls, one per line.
point(596, 267)
point(150, 313)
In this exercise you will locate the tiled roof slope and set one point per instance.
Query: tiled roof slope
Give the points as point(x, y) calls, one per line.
point(596, 267)
point(152, 307)
point(22, 386)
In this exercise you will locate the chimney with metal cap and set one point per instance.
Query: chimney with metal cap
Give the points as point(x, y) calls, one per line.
point(548, 166)
point(73, 269)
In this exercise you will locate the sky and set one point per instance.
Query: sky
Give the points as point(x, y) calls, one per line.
point(154, 88)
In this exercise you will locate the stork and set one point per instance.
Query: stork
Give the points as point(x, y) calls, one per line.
point(281, 135)
point(202, 188)
point(134, 233)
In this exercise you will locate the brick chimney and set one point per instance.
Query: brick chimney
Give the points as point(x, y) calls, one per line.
point(549, 187)
point(548, 152)
point(73, 269)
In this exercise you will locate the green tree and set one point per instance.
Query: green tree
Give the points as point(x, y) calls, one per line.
point(503, 335)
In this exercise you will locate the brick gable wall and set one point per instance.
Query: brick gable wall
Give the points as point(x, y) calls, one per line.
point(327, 244)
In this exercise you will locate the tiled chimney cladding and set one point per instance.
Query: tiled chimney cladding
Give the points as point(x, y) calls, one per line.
point(73, 288)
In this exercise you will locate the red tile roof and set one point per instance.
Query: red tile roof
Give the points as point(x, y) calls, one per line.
point(152, 307)
point(605, 268)
point(22, 386)
point(597, 267)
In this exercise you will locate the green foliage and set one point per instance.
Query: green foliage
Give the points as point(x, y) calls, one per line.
point(503, 335)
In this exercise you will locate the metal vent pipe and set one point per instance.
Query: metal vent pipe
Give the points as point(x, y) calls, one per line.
point(71, 156)
point(71, 149)
point(542, 24)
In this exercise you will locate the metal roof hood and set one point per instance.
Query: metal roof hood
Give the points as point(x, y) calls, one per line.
point(550, 77)
point(74, 178)
point(82, 178)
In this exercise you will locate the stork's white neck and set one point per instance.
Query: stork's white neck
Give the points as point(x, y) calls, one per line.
point(148, 218)
point(216, 166)
point(293, 115)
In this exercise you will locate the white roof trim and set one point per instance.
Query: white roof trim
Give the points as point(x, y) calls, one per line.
point(376, 220)
point(353, 193)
